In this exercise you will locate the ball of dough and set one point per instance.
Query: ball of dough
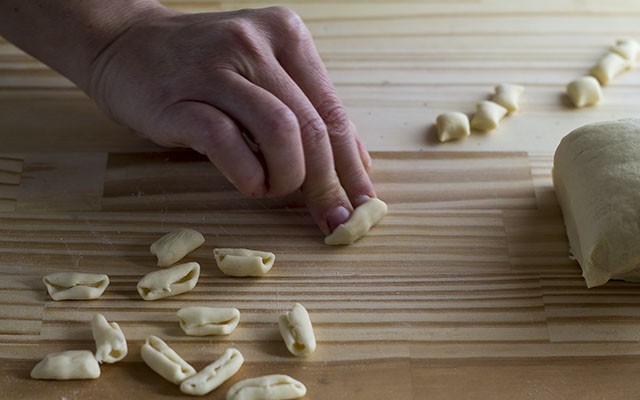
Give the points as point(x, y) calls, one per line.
point(596, 174)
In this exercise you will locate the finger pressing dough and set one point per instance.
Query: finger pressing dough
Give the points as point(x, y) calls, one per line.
point(585, 91)
point(244, 262)
point(72, 364)
point(297, 331)
point(75, 285)
point(173, 246)
point(214, 374)
point(610, 66)
point(269, 387)
point(508, 96)
point(165, 361)
point(596, 174)
point(361, 221)
point(169, 282)
point(111, 345)
point(488, 115)
point(452, 126)
point(203, 321)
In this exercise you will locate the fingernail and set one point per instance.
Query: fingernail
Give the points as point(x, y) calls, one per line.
point(337, 216)
point(360, 200)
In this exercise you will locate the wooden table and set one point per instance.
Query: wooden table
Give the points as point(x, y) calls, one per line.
point(465, 290)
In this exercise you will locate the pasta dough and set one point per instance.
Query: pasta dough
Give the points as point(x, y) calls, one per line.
point(508, 96)
point(610, 66)
point(596, 176)
point(488, 115)
point(173, 246)
point(111, 345)
point(165, 361)
point(214, 374)
point(75, 285)
point(585, 91)
point(297, 331)
point(452, 126)
point(269, 387)
point(361, 221)
point(627, 48)
point(203, 321)
point(72, 364)
point(244, 262)
point(169, 282)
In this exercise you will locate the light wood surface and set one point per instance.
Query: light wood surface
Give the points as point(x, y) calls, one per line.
point(464, 291)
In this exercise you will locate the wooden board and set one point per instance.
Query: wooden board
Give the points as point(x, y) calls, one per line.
point(465, 290)
point(451, 290)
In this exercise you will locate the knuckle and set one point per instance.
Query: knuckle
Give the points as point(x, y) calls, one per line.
point(281, 123)
point(210, 131)
point(245, 35)
point(313, 131)
point(290, 23)
point(326, 191)
point(338, 123)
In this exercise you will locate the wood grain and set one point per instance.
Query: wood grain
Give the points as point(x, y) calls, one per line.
point(464, 291)
point(448, 285)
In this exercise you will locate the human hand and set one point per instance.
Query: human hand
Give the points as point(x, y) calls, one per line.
point(205, 80)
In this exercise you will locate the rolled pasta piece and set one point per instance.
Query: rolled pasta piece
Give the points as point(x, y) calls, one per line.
point(488, 115)
point(204, 321)
point(584, 91)
point(596, 174)
point(111, 345)
point(610, 66)
point(214, 374)
point(165, 361)
point(271, 387)
point(364, 217)
point(173, 246)
point(75, 285)
point(297, 331)
point(169, 282)
point(508, 96)
point(244, 262)
point(452, 126)
point(71, 364)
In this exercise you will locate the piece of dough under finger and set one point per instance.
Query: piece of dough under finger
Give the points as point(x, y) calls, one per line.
point(358, 225)
point(596, 175)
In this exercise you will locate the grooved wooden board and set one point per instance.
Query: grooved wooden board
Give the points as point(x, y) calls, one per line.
point(464, 291)
point(468, 276)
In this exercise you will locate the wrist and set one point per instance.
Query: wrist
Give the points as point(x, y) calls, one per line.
point(112, 20)
point(68, 35)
